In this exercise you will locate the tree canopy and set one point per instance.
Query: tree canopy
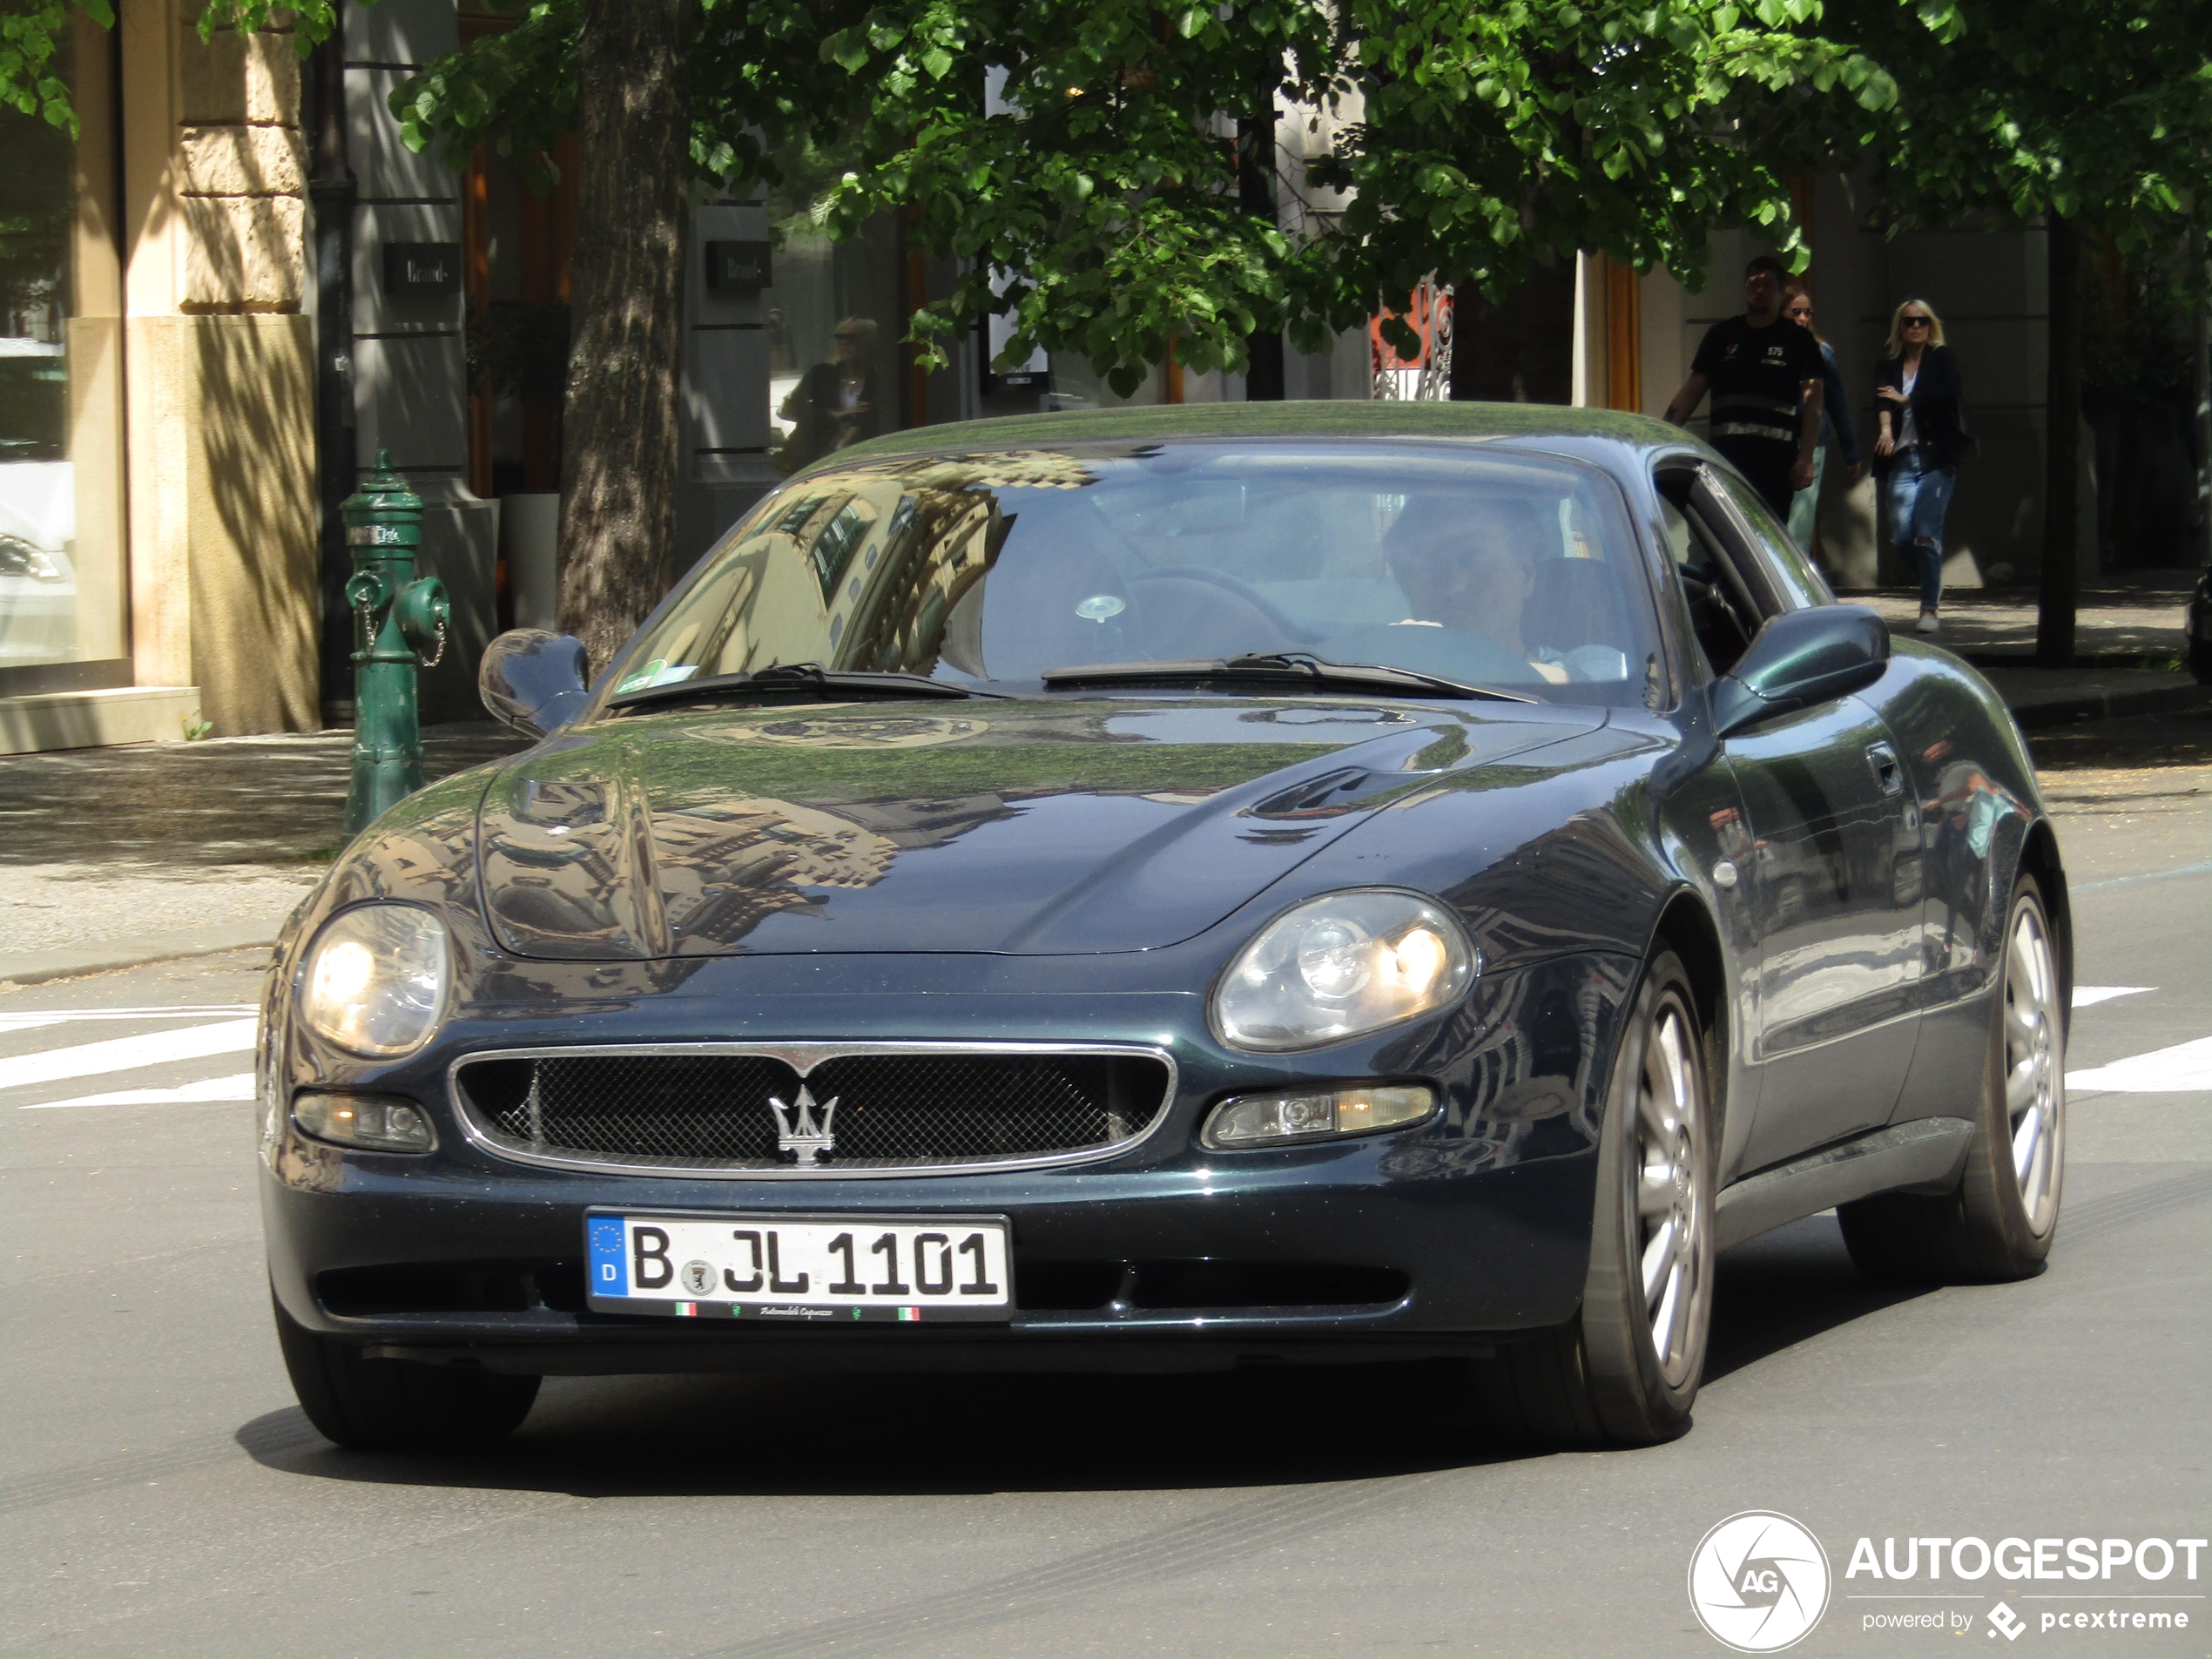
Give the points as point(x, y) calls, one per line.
point(2099, 112)
point(1083, 150)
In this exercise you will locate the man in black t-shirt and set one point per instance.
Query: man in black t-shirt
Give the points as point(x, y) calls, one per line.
point(1764, 373)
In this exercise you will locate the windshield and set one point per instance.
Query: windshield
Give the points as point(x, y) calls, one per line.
point(1486, 568)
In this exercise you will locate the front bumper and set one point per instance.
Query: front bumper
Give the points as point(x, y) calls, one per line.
point(1426, 1241)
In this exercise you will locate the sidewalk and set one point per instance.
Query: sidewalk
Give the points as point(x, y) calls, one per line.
point(117, 856)
point(2129, 646)
point(113, 857)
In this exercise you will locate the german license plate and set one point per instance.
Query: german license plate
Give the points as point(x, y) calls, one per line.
point(800, 1268)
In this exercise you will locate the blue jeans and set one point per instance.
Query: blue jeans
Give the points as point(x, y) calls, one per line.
point(1919, 495)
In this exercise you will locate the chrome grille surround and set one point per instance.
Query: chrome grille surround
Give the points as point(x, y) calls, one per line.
point(804, 1058)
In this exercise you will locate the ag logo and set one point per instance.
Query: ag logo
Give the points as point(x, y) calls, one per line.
point(1758, 1581)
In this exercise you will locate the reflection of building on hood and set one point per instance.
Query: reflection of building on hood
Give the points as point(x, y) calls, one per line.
point(907, 824)
point(724, 869)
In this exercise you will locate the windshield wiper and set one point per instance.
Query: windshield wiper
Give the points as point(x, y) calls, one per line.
point(1277, 668)
point(802, 677)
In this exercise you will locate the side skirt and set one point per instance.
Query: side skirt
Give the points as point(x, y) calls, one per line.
point(1923, 1155)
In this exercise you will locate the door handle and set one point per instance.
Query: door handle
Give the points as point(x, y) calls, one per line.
point(1887, 772)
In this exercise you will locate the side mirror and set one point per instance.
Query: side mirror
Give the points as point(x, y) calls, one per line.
point(533, 680)
point(1799, 658)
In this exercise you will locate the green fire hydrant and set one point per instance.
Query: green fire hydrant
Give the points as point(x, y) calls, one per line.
point(396, 621)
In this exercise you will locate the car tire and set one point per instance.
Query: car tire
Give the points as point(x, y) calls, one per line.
point(1602, 1379)
point(395, 1405)
point(1998, 1222)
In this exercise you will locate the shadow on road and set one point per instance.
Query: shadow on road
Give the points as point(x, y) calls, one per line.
point(905, 1435)
point(1788, 1287)
point(893, 1435)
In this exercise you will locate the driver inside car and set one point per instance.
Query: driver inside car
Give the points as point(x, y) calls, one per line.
point(1473, 570)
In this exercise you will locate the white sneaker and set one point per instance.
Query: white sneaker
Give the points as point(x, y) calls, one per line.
point(1927, 624)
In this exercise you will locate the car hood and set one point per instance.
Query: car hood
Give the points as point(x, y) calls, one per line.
point(1034, 827)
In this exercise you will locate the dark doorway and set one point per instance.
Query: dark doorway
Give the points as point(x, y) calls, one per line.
point(1520, 349)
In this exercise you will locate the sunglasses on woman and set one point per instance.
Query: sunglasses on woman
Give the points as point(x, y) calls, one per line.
point(1918, 322)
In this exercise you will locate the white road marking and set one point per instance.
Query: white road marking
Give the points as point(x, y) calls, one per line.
point(28, 1018)
point(2087, 996)
point(2184, 1069)
point(127, 1054)
point(237, 1088)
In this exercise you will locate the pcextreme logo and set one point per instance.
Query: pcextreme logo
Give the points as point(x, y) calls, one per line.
point(1758, 1581)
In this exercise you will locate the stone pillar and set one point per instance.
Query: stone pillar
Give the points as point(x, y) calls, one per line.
point(219, 382)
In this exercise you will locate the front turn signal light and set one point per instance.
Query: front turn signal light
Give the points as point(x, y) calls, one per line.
point(373, 1122)
point(1246, 1121)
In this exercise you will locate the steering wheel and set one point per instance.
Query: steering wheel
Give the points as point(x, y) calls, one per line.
point(1226, 616)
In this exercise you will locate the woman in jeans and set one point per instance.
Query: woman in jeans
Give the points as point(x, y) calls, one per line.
point(1834, 420)
point(1916, 391)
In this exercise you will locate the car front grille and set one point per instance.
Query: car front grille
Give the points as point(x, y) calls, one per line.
point(715, 1111)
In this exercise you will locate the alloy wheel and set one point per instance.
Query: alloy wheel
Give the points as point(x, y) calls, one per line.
point(1670, 1196)
point(2034, 1064)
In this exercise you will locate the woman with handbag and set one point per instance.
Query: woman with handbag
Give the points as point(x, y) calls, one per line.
point(1917, 398)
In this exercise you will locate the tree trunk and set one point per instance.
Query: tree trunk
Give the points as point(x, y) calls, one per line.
point(1255, 194)
point(2200, 386)
point(2061, 453)
point(621, 456)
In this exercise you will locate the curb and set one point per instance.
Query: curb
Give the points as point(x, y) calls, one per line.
point(33, 967)
point(2107, 706)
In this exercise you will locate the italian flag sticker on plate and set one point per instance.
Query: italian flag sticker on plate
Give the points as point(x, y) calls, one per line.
point(908, 1315)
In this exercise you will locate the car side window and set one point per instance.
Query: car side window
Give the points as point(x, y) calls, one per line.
point(1723, 612)
point(1792, 574)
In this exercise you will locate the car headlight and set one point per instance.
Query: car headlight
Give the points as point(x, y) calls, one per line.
point(1341, 966)
point(375, 979)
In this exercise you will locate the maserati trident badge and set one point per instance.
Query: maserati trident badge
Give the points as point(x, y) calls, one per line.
point(796, 1132)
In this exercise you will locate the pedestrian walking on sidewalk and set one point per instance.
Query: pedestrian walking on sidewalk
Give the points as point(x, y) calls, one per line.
point(1917, 393)
point(1835, 421)
point(1764, 373)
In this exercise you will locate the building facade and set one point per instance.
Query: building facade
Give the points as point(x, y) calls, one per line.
point(156, 454)
point(160, 575)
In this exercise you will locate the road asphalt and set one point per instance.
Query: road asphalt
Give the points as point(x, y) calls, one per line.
point(161, 1495)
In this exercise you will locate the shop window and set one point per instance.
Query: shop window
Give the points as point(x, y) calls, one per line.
point(61, 574)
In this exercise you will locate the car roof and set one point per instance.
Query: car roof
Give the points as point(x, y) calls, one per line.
point(1587, 432)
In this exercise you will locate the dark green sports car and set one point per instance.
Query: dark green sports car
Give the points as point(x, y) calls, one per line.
point(1176, 889)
